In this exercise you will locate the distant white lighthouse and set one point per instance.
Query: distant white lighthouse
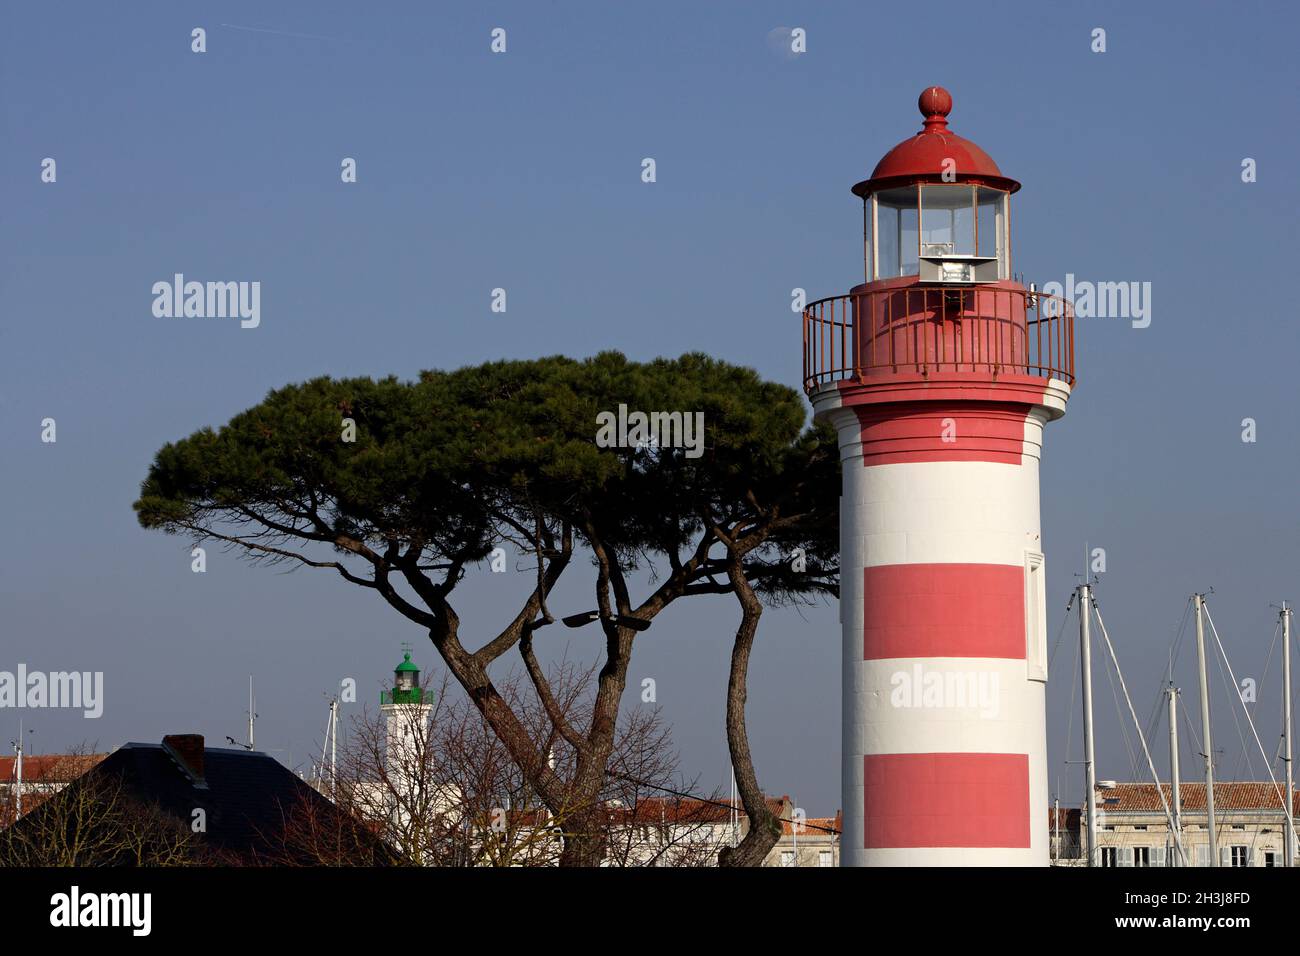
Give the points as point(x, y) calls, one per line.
point(406, 720)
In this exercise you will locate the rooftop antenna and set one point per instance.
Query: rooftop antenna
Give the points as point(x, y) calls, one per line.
point(252, 717)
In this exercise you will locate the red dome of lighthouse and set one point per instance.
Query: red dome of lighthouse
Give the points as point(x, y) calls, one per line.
point(921, 157)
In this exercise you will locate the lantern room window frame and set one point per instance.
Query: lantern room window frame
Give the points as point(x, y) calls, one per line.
point(902, 260)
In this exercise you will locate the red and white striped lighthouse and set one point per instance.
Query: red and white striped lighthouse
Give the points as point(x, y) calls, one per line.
point(939, 373)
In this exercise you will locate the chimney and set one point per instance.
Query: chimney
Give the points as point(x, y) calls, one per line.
point(187, 751)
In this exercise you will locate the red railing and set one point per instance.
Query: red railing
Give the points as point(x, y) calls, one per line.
point(988, 329)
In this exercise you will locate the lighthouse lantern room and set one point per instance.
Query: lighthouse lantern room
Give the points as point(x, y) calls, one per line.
point(938, 373)
point(406, 682)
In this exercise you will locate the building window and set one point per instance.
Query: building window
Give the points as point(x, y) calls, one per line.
point(1269, 858)
point(1109, 856)
point(787, 858)
point(1142, 856)
point(825, 858)
point(1239, 857)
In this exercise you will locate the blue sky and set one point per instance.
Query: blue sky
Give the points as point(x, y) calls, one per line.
point(522, 171)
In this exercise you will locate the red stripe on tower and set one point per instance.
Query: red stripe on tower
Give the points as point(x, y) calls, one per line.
point(946, 800)
point(974, 431)
point(944, 610)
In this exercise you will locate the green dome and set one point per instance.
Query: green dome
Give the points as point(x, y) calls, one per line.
point(406, 665)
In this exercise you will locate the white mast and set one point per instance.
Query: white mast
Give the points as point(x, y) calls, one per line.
point(334, 744)
point(1288, 857)
point(735, 813)
point(18, 771)
point(1123, 686)
point(330, 746)
point(1254, 732)
point(1085, 650)
point(1199, 600)
point(794, 828)
point(252, 716)
point(324, 746)
point(1056, 828)
point(1180, 858)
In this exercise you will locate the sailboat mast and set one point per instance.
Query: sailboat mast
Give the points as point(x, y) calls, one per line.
point(334, 743)
point(1056, 829)
point(1085, 651)
point(1199, 600)
point(324, 747)
point(1289, 856)
point(18, 770)
point(1179, 858)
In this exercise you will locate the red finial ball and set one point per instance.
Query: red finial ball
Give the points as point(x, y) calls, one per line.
point(935, 103)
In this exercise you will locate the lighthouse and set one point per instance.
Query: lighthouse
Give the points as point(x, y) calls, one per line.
point(406, 724)
point(938, 373)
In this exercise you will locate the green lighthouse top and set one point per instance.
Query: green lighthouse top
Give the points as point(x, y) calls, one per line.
point(406, 682)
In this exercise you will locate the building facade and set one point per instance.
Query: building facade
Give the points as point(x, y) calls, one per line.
point(1132, 829)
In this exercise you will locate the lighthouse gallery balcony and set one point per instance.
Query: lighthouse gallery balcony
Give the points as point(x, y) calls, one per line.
point(902, 327)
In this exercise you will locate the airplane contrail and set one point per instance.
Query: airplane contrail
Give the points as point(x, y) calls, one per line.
point(283, 33)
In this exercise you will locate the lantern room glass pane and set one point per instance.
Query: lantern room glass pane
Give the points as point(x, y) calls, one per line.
point(896, 233)
point(908, 242)
point(867, 209)
point(993, 227)
point(947, 220)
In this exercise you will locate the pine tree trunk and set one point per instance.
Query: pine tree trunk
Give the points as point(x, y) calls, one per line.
point(764, 827)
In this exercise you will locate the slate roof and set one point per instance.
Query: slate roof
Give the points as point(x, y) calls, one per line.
point(246, 795)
